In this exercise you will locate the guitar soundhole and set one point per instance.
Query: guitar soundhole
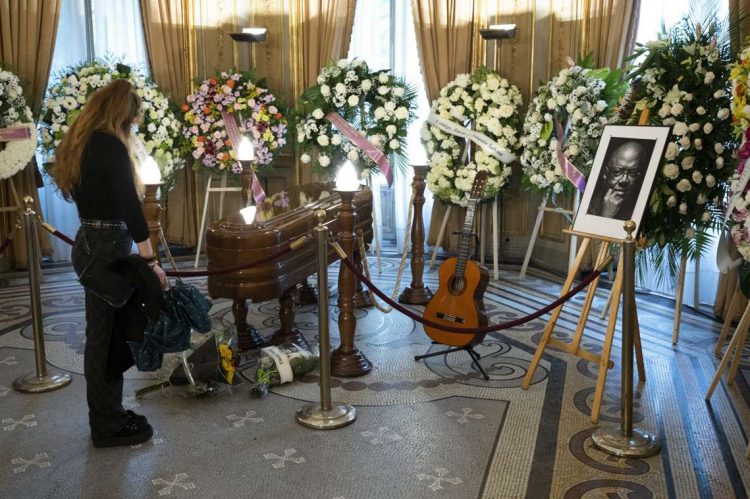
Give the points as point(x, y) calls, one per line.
point(457, 285)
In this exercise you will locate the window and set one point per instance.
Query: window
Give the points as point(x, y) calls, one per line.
point(383, 35)
point(90, 29)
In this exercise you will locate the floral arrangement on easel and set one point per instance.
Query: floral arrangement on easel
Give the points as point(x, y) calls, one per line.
point(480, 103)
point(258, 113)
point(683, 80)
point(378, 105)
point(739, 196)
point(160, 132)
point(577, 103)
point(14, 113)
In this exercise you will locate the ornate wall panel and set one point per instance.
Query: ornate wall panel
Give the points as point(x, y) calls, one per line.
point(212, 49)
point(548, 32)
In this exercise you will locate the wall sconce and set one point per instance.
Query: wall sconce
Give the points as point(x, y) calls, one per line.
point(252, 35)
point(498, 31)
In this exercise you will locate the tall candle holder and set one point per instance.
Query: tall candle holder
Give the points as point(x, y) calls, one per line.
point(151, 178)
point(417, 293)
point(347, 360)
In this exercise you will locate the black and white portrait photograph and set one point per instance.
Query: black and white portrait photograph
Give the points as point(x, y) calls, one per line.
point(620, 182)
point(621, 178)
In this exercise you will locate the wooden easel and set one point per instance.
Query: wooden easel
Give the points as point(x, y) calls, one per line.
point(221, 189)
point(574, 347)
point(545, 208)
point(616, 295)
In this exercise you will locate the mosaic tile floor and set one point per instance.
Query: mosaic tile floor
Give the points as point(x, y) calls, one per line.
point(428, 429)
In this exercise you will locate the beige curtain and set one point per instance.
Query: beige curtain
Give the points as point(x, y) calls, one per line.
point(27, 40)
point(325, 33)
point(739, 9)
point(165, 27)
point(445, 30)
point(609, 29)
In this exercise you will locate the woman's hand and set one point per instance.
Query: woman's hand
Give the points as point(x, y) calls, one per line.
point(161, 275)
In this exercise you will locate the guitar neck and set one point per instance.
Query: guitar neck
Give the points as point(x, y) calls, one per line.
point(464, 244)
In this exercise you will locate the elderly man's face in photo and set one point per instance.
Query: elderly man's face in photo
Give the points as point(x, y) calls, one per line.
point(624, 167)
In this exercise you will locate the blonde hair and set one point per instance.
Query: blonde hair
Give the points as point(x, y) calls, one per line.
point(112, 109)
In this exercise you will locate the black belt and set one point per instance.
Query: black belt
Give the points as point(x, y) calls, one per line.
point(92, 223)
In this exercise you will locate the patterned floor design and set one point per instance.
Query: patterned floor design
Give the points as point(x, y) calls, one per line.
point(428, 429)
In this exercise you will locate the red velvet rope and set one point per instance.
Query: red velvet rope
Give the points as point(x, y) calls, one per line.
point(188, 273)
point(475, 331)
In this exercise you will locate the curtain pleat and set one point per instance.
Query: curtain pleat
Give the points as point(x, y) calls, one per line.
point(165, 28)
point(444, 38)
point(27, 39)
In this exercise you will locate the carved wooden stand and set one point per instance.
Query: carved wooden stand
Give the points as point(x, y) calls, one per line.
point(347, 360)
point(247, 336)
point(287, 333)
point(152, 213)
point(574, 347)
point(417, 293)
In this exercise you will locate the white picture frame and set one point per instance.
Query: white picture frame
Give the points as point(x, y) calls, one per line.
point(621, 178)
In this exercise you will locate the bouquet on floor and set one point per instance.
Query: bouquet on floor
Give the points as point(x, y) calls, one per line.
point(282, 364)
point(160, 132)
point(472, 104)
point(15, 114)
point(683, 81)
point(259, 114)
point(569, 112)
point(371, 105)
point(228, 351)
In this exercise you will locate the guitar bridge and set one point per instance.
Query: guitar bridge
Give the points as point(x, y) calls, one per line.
point(450, 318)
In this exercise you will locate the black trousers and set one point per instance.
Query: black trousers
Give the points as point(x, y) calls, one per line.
point(105, 344)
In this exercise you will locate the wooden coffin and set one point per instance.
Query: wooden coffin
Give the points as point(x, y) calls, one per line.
point(233, 241)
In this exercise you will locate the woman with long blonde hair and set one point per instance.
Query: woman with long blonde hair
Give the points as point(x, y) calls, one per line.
point(93, 168)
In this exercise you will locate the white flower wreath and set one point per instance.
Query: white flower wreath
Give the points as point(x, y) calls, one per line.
point(577, 99)
point(14, 113)
point(490, 103)
point(160, 130)
point(377, 104)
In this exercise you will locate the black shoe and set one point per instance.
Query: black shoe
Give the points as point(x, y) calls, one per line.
point(138, 418)
point(133, 433)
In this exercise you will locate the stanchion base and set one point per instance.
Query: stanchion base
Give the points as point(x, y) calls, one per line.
point(313, 416)
point(415, 296)
point(31, 383)
point(640, 444)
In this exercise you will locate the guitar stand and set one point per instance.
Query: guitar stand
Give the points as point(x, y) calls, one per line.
point(470, 350)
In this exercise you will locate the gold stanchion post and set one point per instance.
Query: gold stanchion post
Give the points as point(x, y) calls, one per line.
point(628, 441)
point(42, 380)
point(325, 415)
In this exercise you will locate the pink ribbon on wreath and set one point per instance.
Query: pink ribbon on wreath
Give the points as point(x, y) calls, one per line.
point(233, 131)
point(569, 169)
point(365, 145)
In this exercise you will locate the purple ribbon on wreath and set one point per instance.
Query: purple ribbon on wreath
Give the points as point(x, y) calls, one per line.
point(233, 132)
point(365, 145)
point(569, 169)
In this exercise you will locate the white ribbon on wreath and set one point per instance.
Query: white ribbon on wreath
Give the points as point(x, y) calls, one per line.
point(455, 129)
point(17, 153)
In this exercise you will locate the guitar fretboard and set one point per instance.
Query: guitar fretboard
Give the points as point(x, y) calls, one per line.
point(464, 244)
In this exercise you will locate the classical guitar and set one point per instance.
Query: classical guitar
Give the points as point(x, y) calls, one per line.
point(459, 299)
